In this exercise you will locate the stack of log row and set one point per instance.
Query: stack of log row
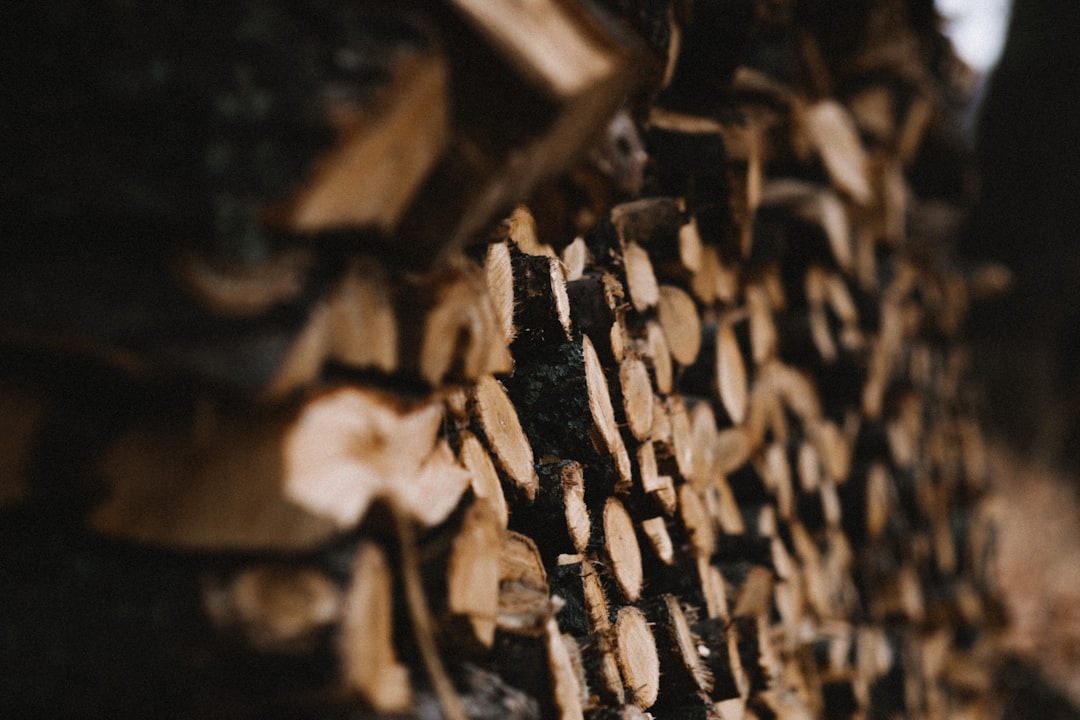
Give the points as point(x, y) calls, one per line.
point(682, 435)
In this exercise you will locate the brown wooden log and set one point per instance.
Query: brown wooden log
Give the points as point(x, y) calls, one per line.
point(641, 283)
point(622, 549)
point(678, 648)
point(473, 573)
point(499, 422)
point(637, 396)
point(681, 323)
point(563, 99)
point(370, 664)
point(602, 412)
point(638, 661)
point(484, 480)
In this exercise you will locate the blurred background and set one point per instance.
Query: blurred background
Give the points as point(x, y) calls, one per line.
point(1024, 123)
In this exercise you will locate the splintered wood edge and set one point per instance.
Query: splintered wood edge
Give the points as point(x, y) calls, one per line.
point(638, 660)
point(369, 662)
point(501, 426)
point(686, 644)
point(557, 273)
point(499, 278)
point(622, 548)
point(520, 561)
point(522, 230)
point(576, 512)
point(596, 605)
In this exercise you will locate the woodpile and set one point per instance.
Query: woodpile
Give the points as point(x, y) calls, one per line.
point(684, 435)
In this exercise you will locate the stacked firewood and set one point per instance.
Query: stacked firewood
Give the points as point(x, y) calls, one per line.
point(684, 435)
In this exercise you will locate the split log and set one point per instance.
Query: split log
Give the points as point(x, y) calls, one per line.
point(297, 479)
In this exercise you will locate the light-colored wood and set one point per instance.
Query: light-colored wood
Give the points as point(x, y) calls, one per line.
point(499, 421)
point(610, 676)
point(285, 480)
point(880, 499)
point(681, 324)
point(640, 278)
point(484, 479)
point(525, 605)
point(462, 306)
point(655, 530)
point(808, 467)
point(659, 354)
point(697, 521)
point(576, 512)
point(566, 689)
point(763, 338)
point(472, 575)
point(499, 277)
point(754, 594)
point(521, 229)
point(622, 549)
point(775, 471)
point(684, 644)
point(715, 590)
point(637, 656)
point(603, 414)
point(733, 449)
point(731, 377)
point(660, 487)
point(352, 445)
point(691, 249)
point(682, 437)
point(637, 396)
point(575, 257)
point(703, 444)
point(722, 506)
point(831, 129)
point(913, 129)
point(364, 330)
point(596, 605)
point(370, 665)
